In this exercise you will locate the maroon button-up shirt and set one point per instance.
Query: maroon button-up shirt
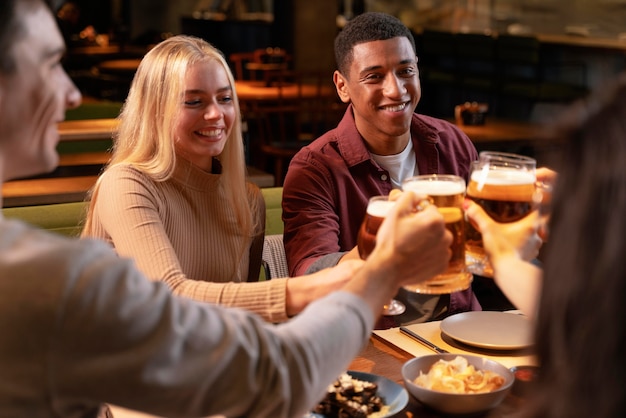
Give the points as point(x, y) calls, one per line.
point(329, 183)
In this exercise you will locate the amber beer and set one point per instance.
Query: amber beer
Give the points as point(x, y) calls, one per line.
point(377, 210)
point(506, 195)
point(504, 186)
point(447, 193)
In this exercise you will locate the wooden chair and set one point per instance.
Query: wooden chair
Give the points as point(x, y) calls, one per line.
point(238, 60)
point(285, 125)
point(271, 56)
point(257, 64)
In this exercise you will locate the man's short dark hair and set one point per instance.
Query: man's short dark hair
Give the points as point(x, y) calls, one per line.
point(367, 27)
point(11, 29)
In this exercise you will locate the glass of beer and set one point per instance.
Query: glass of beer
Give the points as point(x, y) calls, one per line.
point(503, 184)
point(377, 209)
point(446, 192)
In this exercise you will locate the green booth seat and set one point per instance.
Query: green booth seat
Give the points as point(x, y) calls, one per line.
point(67, 218)
point(102, 109)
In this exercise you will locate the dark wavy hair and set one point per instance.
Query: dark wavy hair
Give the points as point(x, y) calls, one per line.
point(581, 335)
point(12, 29)
point(367, 27)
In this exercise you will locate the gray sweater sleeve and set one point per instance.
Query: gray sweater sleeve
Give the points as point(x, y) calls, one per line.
point(121, 339)
point(328, 260)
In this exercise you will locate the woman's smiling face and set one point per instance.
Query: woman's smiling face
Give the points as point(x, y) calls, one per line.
point(207, 115)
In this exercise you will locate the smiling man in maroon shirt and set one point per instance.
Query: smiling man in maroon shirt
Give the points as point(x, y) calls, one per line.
point(379, 142)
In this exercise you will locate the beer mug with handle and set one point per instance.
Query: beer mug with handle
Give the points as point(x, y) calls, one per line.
point(504, 185)
point(446, 192)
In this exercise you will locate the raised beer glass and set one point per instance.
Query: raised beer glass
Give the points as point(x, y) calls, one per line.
point(446, 192)
point(377, 209)
point(503, 184)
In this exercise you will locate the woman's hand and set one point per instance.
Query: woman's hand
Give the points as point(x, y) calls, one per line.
point(545, 175)
point(509, 246)
point(519, 238)
point(546, 180)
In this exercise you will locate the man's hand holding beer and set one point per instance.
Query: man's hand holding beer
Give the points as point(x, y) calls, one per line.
point(416, 242)
point(411, 246)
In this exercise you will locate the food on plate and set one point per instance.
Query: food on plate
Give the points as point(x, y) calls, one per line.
point(458, 376)
point(348, 397)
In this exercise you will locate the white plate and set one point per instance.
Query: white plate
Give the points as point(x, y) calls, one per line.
point(490, 329)
point(393, 394)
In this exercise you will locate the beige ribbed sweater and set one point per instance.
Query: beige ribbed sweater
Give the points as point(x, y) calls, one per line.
point(183, 232)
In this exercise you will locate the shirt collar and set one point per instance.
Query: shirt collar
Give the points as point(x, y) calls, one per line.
point(352, 147)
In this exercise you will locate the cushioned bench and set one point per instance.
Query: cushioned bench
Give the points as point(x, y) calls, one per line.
point(62, 218)
point(67, 218)
point(72, 182)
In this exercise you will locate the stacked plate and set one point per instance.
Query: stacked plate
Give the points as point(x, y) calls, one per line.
point(490, 329)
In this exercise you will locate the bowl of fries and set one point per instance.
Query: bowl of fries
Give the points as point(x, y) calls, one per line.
point(457, 383)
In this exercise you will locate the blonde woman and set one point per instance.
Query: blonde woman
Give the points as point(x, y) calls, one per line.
point(174, 196)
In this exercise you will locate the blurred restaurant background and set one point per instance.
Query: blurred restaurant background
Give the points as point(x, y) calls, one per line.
point(575, 44)
point(497, 68)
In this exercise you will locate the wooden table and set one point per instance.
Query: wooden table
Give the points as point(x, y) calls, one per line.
point(120, 66)
point(87, 129)
point(44, 191)
point(112, 50)
point(266, 68)
point(384, 358)
point(500, 131)
point(253, 90)
point(589, 42)
point(512, 136)
point(247, 91)
point(98, 158)
point(381, 358)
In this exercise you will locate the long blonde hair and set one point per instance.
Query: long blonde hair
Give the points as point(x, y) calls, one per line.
point(145, 137)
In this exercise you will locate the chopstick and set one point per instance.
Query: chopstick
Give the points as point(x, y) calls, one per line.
point(423, 340)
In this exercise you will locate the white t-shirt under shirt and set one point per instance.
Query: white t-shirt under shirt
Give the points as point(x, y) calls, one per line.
point(420, 307)
point(400, 166)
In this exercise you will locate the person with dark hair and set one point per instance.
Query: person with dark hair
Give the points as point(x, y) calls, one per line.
point(379, 142)
point(80, 326)
point(580, 332)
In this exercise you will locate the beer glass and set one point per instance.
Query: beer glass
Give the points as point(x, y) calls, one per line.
point(377, 209)
point(503, 184)
point(446, 192)
point(543, 198)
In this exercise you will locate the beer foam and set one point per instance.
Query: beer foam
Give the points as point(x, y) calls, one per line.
point(435, 187)
point(380, 208)
point(502, 177)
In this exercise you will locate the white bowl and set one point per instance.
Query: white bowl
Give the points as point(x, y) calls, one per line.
point(456, 403)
